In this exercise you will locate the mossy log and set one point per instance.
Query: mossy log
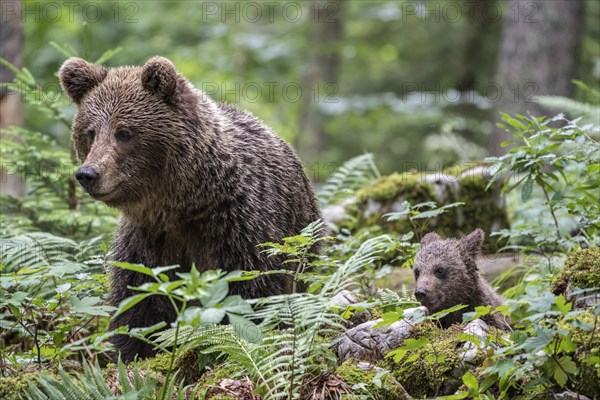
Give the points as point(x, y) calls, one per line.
point(482, 208)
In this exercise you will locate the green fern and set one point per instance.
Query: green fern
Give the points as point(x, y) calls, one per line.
point(92, 385)
point(587, 109)
point(588, 112)
point(293, 327)
point(351, 176)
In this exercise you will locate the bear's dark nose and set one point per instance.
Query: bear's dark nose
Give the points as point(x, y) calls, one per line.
point(87, 176)
point(420, 294)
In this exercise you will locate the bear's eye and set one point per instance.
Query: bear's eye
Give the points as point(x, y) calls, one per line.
point(440, 272)
point(123, 135)
point(417, 272)
point(90, 135)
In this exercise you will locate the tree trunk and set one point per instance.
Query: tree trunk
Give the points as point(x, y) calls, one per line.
point(319, 81)
point(11, 113)
point(539, 55)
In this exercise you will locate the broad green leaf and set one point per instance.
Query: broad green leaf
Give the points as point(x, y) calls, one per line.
point(245, 329)
point(129, 302)
point(215, 293)
point(561, 305)
point(527, 189)
point(470, 380)
point(212, 315)
point(134, 267)
point(87, 305)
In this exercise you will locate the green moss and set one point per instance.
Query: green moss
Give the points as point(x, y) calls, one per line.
point(431, 370)
point(222, 396)
point(582, 270)
point(587, 343)
point(482, 209)
point(362, 382)
point(159, 364)
point(12, 388)
point(217, 374)
point(391, 186)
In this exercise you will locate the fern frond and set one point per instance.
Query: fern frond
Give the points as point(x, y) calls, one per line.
point(217, 339)
point(91, 385)
point(34, 249)
point(351, 176)
point(588, 112)
point(366, 254)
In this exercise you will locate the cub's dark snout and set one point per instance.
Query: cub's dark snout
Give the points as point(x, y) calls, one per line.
point(87, 177)
point(420, 294)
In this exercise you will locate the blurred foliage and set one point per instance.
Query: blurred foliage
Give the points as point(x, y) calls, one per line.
point(403, 76)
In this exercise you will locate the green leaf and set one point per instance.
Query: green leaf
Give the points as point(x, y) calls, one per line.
point(443, 313)
point(134, 267)
point(212, 315)
point(409, 344)
point(561, 305)
point(63, 288)
point(87, 305)
point(527, 189)
point(215, 293)
point(560, 377)
point(236, 305)
point(470, 380)
point(130, 302)
point(245, 329)
point(568, 364)
point(479, 312)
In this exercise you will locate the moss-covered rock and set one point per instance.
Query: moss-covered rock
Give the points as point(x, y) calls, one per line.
point(482, 209)
point(361, 376)
point(211, 379)
point(13, 388)
point(159, 364)
point(582, 270)
point(435, 368)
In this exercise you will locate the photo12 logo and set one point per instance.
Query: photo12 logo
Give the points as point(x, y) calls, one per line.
point(269, 11)
point(71, 11)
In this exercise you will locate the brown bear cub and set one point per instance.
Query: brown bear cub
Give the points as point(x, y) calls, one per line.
point(195, 182)
point(446, 275)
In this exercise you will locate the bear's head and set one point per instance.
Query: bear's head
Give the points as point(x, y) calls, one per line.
point(127, 127)
point(445, 270)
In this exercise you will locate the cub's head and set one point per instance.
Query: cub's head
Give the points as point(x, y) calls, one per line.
point(445, 270)
point(127, 125)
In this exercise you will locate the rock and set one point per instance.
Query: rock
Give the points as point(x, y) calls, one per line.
point(569, 395)
point(343, 300)
point(581, 271)
point(364, 342)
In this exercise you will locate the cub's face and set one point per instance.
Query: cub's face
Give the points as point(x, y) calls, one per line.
point(445, 270)
point(123, 128)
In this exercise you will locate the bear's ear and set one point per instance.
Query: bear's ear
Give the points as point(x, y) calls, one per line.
point(430, 238)
point(160, 78)
point(470, 245)
point(77, 77)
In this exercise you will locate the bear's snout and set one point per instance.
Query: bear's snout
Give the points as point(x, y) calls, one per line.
point(87, 177)
point(420, 294)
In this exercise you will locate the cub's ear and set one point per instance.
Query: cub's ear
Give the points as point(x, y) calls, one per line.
point(160, 78)
point(470, 245)
point(77, 77)
point(430, 238)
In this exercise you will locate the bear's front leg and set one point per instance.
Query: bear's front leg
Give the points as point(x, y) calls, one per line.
point(148, 312)
point(128, 246)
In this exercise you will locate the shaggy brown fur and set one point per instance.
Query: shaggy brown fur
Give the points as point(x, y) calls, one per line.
point(195, 181)
point(446, 275)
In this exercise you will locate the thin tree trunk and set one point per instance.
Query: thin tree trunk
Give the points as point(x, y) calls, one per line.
point(319, 81)
point(11, 113)
point(539, 55)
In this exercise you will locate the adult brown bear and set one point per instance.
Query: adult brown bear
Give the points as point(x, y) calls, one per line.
point(195, 181)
